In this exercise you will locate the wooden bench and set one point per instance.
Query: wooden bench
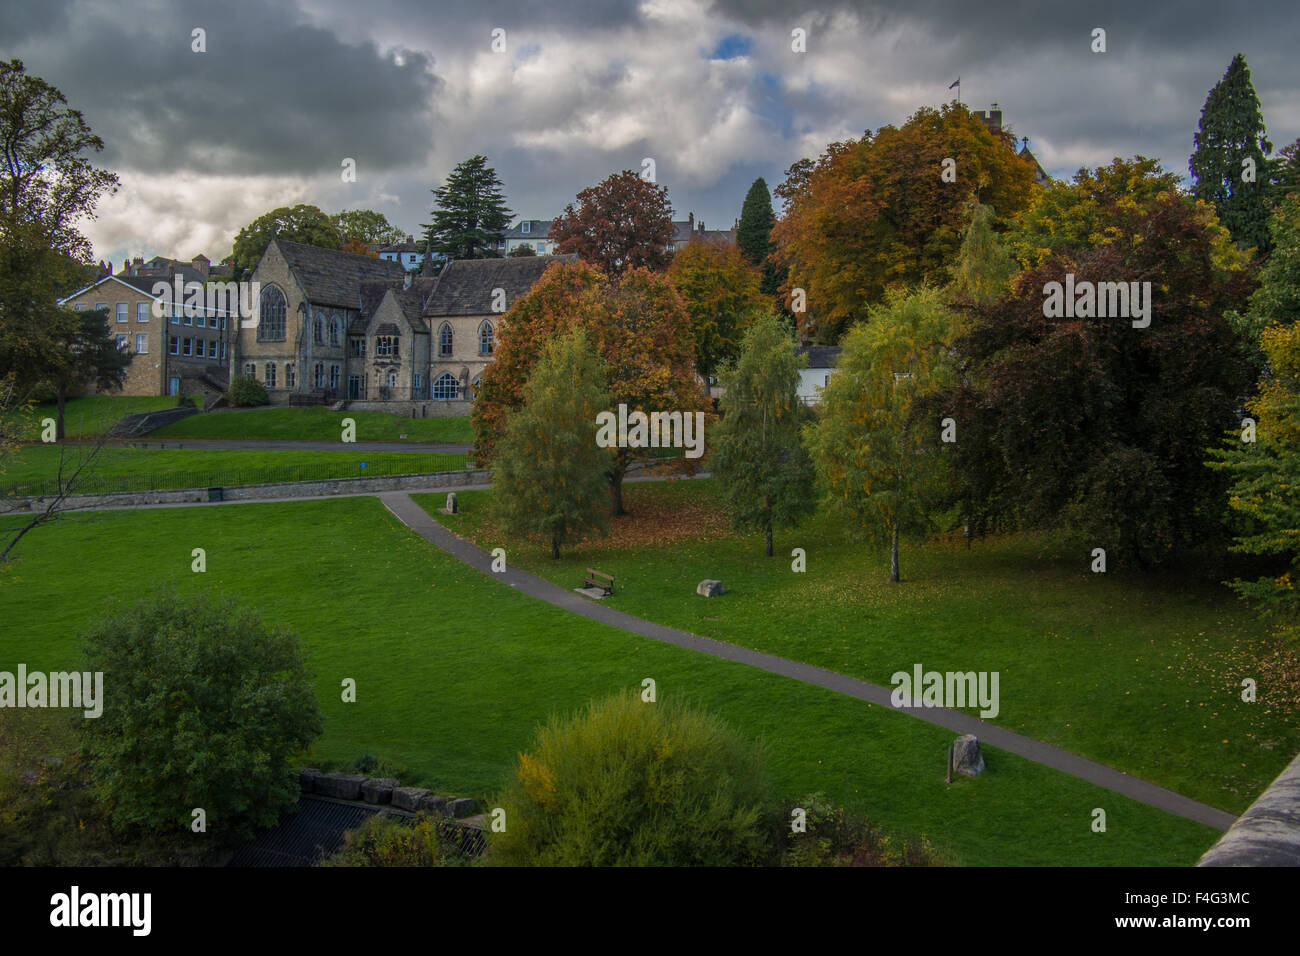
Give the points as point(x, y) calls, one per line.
point(599, 579)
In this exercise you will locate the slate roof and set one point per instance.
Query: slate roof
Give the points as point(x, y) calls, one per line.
point(465, 285)
point(411, 301)
point(821, 356)
point(334, 277)
point(537, 229)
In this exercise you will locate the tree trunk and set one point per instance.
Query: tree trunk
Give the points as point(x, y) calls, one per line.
point(62, 401)
point(893, 557)
point(769, 541)
point(555, 548)
point(616, 489)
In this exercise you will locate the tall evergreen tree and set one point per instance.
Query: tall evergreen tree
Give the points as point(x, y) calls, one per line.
point(470, 217)
point(757, 453)
point(1230, 164)
point(754, 232)
point(549, 474)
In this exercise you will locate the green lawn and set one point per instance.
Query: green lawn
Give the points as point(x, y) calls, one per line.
point(455, 671)
point(31, 469)
point(93, 415)
point(1140, 673)
point(315, 423)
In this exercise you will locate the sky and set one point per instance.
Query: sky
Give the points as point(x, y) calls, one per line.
point(713, 92)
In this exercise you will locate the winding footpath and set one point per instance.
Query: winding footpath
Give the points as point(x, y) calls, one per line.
point(420, 521)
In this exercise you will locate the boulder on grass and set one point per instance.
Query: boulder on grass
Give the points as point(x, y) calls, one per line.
point(710, 588)
point(966, 756)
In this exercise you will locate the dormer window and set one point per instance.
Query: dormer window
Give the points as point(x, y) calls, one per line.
point(526, 227)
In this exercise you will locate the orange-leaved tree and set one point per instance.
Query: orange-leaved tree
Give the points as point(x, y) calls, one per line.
point(638, 324)
point(891, 209)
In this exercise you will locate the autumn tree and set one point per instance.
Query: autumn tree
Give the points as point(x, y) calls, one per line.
point(891, 208)
point(1080, 420)
point(366, 227)
point(549, 476)
point(721, 291)
point(636, 322)
point(302, 223)
point(1262, 459)
point(878, 455)
point(1230, 166)
point(470, 216)
point(984, 266)
point(358, 248)
point(624, 222)
point(756, 451)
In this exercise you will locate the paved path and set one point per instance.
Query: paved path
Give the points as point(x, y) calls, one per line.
point(416, 518)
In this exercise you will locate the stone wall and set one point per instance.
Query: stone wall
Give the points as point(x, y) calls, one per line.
point(425, 408)
point(1268, 833)
point(293, 489)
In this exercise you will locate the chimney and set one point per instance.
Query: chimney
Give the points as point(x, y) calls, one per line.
point(203, 264)
point(691, 220)
point(995, 117)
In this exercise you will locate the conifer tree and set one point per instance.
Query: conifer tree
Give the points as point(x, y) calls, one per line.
point(1230, 164)
point(470, 217)
point(754, 233)
point(757, 453)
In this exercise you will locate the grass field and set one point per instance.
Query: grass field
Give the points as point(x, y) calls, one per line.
point(1140, 673)
point(117, 468)
point(455, 671)
point(93, 415)
point(315, 424)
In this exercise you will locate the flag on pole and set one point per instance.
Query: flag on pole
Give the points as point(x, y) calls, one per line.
point(956, 82)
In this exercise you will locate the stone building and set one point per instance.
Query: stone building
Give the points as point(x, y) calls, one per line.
point(309, 312)
point(187, 349)
point(464, 314)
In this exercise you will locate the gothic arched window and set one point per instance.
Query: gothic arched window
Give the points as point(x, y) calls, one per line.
point(270, 323)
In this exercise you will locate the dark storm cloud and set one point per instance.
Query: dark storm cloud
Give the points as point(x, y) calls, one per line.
point(272, 94)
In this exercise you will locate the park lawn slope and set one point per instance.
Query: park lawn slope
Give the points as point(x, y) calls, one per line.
point(122, 468)
point(92, 415)
point(1140, 673)
point(455, 671)
point(314, 423)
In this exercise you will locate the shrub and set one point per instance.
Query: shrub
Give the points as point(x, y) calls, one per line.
point(385, 840)
point(628, 783)
point(246, 391)
point(836, 837)
point(203, 706)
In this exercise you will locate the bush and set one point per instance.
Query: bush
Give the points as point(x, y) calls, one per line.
point(836, 837)
point(385, 840)
point(246, 391)
point(204, 706)
point(628, 783)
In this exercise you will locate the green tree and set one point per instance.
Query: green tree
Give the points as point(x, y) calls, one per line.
point(754, 234)
point(519, 252)
point(1265, 474)
point(721, 292)
point(302, 223)
point(203, 706)
point(470, 217)
point(1277, 297)
point(47, 185)
point(628, 783)
point(1229, 164)
point(367, 226)
point(549, 476)
point(984, 266)
point(756, 452)
point(878, 458)
point(90, 356)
